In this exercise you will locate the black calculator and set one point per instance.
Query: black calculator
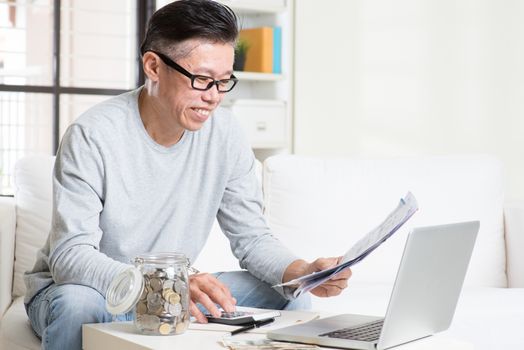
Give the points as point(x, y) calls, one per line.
point(242, 317)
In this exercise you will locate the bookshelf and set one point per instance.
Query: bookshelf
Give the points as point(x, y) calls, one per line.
point(263, 101)
point(253, 76)
point(255, 7)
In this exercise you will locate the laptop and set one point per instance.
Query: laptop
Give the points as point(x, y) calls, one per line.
point(422, 302)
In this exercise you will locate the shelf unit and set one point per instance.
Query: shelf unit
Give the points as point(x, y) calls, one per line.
point(253, 76)
point(256, 6)
point(257, 98)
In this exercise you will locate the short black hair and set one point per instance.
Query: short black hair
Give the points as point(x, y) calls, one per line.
point(190, 19)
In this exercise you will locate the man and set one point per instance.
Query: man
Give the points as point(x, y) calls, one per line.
point(149, 171)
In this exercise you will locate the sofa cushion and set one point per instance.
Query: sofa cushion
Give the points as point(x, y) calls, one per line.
point(16, 332)
point(7, 245)
point(320, 207)
point(33, 195)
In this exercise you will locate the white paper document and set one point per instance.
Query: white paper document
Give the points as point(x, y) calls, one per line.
point(405, 209)
point(286, 319)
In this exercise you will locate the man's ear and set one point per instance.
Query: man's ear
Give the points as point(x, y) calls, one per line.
point(151, 64)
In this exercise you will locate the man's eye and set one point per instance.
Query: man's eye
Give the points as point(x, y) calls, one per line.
point(203, 80)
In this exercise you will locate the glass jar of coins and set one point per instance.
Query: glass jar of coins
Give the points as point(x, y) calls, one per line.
point(157, 289)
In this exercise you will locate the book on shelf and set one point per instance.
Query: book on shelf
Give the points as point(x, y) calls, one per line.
point(264, 54)
point(277, 50)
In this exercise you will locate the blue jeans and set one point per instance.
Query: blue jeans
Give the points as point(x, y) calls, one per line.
point(58, 312)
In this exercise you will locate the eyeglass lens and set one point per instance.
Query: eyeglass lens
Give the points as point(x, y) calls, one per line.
point(205, 83)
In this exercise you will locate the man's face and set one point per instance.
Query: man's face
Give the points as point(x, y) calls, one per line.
point(188, 108)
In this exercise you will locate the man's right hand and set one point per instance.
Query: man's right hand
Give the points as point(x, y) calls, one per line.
point(209, 291)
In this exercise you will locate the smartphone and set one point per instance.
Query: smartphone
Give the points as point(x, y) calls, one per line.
point(242, 317)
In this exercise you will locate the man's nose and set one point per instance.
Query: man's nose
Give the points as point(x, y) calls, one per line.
point(212, 95)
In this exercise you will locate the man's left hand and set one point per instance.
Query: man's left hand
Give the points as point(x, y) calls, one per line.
point(331, 287)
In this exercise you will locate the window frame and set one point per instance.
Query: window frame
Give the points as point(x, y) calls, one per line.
point(145, 9)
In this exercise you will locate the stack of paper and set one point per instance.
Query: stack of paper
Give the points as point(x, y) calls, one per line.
point(406, 208)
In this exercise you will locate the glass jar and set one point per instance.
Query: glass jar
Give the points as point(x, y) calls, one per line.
point(157, 289)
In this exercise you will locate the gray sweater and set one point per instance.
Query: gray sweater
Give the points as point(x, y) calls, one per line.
point(117, 194)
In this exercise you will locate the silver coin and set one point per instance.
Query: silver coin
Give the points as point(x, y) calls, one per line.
point(170, 309)
point(168, 284)
point(148, 323)
point(184, 296)
point(179, 284)
point(168, 318)
point(176, 309)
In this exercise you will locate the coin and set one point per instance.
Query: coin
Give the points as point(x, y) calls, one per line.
point(165, 328)
point(181, 327)
point(154, 303)
point(176, 309)
point(174, 298)
point(179, 284)
point(166, 293)
point(170, 308)
point(148, 322)
point(141, 308)
point(156, 284)
point(184, 295)
point(168, 284)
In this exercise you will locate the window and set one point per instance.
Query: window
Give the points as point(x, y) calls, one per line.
point(58, 58)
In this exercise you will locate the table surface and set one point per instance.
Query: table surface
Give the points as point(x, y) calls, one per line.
point(123, 335)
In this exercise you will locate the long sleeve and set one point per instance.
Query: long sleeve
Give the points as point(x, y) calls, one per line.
point(78, 181)
point(241, 218)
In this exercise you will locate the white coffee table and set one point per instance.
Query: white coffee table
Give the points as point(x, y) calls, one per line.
point(123, 335)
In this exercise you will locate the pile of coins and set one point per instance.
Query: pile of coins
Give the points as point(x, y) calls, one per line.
point(163, 305)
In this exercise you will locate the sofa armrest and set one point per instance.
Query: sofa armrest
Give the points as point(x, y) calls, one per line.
point(514, 236)
point(7, 249)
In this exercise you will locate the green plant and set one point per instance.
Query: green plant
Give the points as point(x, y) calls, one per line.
point(242, 47)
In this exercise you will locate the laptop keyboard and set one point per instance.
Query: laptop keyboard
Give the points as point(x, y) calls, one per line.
point(365, 332)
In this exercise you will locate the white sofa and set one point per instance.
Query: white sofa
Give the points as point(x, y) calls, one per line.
point(319, 207)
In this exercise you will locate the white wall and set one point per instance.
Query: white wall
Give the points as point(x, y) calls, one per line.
point(382, 78)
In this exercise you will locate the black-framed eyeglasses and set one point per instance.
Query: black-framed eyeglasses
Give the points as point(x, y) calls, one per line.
point(200, 82)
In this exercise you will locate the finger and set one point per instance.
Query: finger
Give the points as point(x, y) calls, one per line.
point(326, 291)
point(341, 284)
point(221, 297)
point(224, 298)
point(344, 274)
point(323, 293)
point(195, 311)
point(325, 263)
point(198, 296)
point(227, 303)
point(214, 290)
